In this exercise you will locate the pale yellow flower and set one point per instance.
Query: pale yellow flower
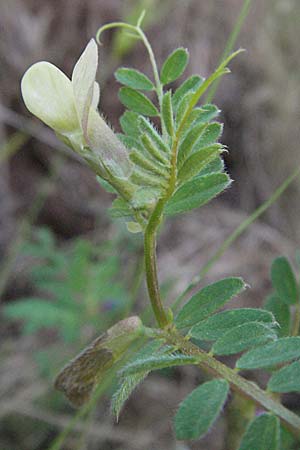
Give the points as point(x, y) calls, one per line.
point(70, 108)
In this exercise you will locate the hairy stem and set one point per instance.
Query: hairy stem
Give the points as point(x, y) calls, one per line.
point(246, 388)
point(151, 266)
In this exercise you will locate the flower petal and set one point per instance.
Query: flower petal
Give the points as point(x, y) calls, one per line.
point(47, 93)
point(83, 79)
point(96, 96)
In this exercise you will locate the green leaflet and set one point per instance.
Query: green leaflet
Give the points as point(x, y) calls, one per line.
point(283, 350)
point(138, 158)
point(190, 84)
point(200, 409)
point(174, 65)
point(186, 145)
point(281, 313)
point(107, 186)
point(129, 383)
point(205, 113)
point(157, 362)
point(208, 300)
point(134, 79)
point(199, 136)
point(183, 106)
point(218, 324)
point(243, 337)
point(286, 379)
point(196, 193)
point(153, 150)
point(283, 280)
point(119, 208)
point(217, 165)
point(142, 177)
point(129, 141)
point(148, 128)
point(145, 197)
point(137, 102)
point(129, 122)
point(210, 135)
point(167, 113)
point(262, 434)
point(197, 162)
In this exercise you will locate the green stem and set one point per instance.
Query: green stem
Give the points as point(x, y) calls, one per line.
point(151, 266)
point(233, 236)
point(247, 388)
point(140, 34)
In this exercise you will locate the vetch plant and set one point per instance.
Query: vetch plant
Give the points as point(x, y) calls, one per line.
point(159, 172)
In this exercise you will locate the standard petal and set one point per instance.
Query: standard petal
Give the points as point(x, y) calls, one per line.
point(83, 79)
point(105, 144)
point(47, 93)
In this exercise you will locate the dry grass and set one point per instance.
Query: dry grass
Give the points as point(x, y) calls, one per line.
point(260, 103)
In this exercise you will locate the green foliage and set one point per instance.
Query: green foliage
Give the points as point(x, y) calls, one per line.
point(263, 433)
point(200, 409)
point(281, 313)
point(189, 85)
point(174, 66)
point(75, 288)
point(219, 324)
point(137, 102)
point(134, 79)
point(196, 193)
point(286, 379)
point(129, 382)
point(197, 162)
point(243, 337)
point(280, 351)
point(161, 169)
point(129, 122)
point(208, 300)
point(167, 113)
point(157, 362)
point(284, 281)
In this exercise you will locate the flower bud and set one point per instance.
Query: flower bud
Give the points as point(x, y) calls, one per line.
point(80, 376)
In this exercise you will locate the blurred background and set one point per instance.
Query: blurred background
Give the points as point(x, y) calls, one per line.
point(67, 271)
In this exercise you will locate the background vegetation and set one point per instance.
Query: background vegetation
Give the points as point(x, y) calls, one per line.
point(79, 272)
